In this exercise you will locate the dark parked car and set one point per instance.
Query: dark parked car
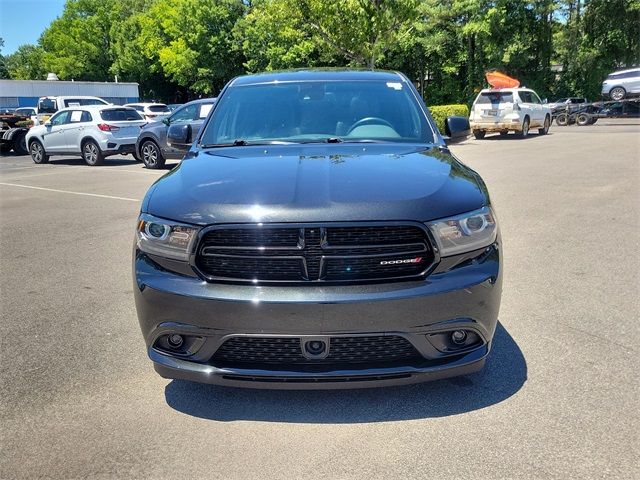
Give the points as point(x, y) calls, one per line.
point(152, 147)
point(318, 234)
point(563, 103)
point(625, 109)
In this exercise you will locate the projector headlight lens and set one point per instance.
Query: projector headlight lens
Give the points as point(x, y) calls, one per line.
point(464, 233)
point(165, 238)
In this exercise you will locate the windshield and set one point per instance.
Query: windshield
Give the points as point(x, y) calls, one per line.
point(318, 111)
point(120, 114)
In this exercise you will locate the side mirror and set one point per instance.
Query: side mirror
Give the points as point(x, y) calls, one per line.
point(166, 121)
point(47, 123)
point(544, 100)
point(456, 129)
point(179, 136)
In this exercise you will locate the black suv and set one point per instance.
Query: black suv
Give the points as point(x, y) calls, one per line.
point(151, 146)
point(318, 234)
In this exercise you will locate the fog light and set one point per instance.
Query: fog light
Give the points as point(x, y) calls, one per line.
point(459, 337)
point(175, 340)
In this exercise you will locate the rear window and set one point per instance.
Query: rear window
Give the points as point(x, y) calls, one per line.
point(47, 105)
point(120, 114)
point(159, 109)
point(494, 97)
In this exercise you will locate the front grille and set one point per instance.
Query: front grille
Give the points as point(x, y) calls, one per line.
point(314, 253)
point(282, 351)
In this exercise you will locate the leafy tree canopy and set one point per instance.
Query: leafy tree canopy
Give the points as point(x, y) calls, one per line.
point(178, 49)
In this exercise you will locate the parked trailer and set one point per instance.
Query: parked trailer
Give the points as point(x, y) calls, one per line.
point(588, 113)
point(12, 137)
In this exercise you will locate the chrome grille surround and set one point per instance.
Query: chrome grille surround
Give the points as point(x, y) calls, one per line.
point(314, 253)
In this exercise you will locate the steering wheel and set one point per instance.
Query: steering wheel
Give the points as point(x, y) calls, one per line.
point(368, 120)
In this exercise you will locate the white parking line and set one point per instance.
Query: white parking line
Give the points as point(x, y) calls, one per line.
point(72, 193)
point(35, 175)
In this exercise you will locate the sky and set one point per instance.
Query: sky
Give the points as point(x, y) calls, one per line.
point(22, 21)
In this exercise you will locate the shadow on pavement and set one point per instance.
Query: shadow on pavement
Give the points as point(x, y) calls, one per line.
point(513, 136)
point(108, 162)
point(503, 375)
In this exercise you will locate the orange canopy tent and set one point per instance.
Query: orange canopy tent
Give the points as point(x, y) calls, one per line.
point(500, 80)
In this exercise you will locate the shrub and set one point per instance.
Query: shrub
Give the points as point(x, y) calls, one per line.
point(441, 112)
point(25, 123)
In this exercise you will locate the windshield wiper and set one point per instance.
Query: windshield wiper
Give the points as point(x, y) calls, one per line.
point(324, 140)
point(235, 143)
point(243, 143)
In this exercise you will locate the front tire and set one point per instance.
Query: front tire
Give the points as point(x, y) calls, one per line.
point(151, 155)
point(38, 154)
point(545, 129)
point(617, 93)
point(479, 134)
point(92, 154)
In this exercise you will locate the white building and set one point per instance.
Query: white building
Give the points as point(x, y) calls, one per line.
point(25, 93)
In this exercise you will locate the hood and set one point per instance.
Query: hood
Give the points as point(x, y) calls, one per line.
point(316, 183)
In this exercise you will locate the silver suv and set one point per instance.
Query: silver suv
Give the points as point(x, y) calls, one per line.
point(92, 131)
point(622, 83)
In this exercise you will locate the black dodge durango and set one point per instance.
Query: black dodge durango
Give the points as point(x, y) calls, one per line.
point(318, 234)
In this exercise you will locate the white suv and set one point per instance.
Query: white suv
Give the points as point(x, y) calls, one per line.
point(509, 109)
point(91, 131)
point(150, 111)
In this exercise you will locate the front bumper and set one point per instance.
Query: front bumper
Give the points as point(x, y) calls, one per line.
point(464, 295)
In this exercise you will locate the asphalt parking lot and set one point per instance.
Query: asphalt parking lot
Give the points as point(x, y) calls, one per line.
point(557, 399)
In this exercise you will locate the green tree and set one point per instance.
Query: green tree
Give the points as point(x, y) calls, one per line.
point(600, 36)
point(189, 42)
point(274, 35)
point(289, 33)
point(4, 72)
point(76, 45)
point(26, 63)
point(361, 31)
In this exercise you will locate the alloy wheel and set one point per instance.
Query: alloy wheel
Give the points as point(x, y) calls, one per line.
point(90, 153)
point(149, 154)
point(618, 93)
point(36, 152)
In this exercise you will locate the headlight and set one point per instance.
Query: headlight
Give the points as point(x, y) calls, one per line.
point(466, 232)
point(165, 238)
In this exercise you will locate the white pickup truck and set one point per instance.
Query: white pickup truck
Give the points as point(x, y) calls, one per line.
point(47, 106)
